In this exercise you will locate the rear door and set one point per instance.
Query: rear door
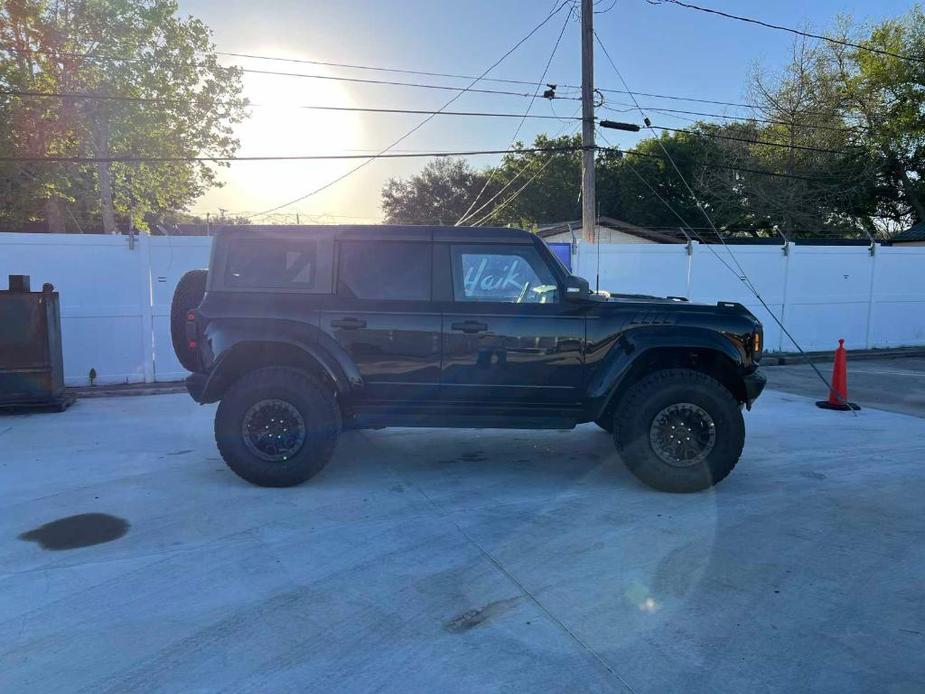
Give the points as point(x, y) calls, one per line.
point(381, 314)
point(507, 336)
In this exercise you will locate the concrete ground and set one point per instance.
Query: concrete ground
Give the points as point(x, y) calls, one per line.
point(457, 560)
point(895, 384)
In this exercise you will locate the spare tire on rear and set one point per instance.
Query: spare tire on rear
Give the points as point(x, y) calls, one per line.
point(188, 295)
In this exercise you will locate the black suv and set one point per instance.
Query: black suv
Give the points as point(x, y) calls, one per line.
point(301, 332)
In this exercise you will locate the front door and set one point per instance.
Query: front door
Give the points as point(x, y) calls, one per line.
point(507, 336)
point(382, 316)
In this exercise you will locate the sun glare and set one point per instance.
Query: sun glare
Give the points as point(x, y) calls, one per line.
point(278, 126)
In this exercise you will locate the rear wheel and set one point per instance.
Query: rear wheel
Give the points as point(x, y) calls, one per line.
point(679, 430)
point(188, 295)
point(277, 427)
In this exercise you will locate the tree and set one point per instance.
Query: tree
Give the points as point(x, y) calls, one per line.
point(536, 187)
point(884, 96)
point(440, 194)
point(152, 87)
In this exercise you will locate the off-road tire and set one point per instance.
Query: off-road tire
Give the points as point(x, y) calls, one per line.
point(188, 295)
point(315, 403)
point(637, 410)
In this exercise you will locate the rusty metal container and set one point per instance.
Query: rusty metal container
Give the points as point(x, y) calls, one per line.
point(31, 365)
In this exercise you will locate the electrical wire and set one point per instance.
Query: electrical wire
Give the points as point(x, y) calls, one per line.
point(524, 116)
point(426, 120)
point(749, 141)
point(742, 275)
point(397, 154)
point(163, 100)
point(517, 192)
point(666, 111)
point(466, 215)
point(560, 87)
point(779, 27)
point(395, 83)
point(283, 157)
point(507, 185)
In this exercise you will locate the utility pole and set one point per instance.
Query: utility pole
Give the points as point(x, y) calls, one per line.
point(588, 203)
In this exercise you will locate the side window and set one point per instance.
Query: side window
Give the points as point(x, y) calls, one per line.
point(514, 274)
point(384, 270)
point(277, 264)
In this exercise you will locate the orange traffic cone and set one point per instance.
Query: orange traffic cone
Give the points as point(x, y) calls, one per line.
point(838, 392)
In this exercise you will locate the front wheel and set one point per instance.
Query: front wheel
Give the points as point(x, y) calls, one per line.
point(277, 427)
point(679, 430)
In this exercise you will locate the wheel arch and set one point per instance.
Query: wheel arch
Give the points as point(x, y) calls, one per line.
point(704, 358)
point(247, 355)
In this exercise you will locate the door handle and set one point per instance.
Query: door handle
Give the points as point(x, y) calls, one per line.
point(348, 323)
point(469, 326)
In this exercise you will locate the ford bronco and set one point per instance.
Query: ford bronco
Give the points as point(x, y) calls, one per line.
point(301, 332)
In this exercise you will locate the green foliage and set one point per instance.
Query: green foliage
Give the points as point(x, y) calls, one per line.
point(440, 194)
point(837, 147)
point(62, 47)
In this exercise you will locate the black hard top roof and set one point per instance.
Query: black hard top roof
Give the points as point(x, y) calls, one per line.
point(374, 232)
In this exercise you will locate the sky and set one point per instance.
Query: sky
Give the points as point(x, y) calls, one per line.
point(663, 49)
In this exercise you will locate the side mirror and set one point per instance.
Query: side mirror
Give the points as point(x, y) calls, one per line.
point(577, 289)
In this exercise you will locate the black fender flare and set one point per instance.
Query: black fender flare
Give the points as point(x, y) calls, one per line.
point(633, 346)
point(227, 337)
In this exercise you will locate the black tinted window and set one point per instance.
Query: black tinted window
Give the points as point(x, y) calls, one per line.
point(384, 270)
point(265, 263)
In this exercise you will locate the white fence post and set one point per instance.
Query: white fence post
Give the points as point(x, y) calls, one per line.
point(147, 337)
point(874, 252)
point(787, 250)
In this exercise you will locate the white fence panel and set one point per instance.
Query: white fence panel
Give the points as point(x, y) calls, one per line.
point(898, 300)
point(828, 296)
point(630, 268)
point(104, 295)
point(170, 257)
point(115, 301)
point(715, 276)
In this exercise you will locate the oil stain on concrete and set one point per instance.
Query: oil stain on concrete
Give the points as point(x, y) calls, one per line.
point(82, 530)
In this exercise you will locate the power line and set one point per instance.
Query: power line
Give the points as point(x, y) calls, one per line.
point(749, 141)
point(309, 107)
point(468, 213)
point(414, 154)
point(395, 83)
point(270, 58)
point(779, 27)
point(355, 66)
point(426, 120)
point(360, 109)
point(665, 111)
point(131, 159)
point(511, 199)
point(503, 188)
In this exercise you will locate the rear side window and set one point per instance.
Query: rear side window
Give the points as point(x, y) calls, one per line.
point(276, 264)
point(396, 270)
